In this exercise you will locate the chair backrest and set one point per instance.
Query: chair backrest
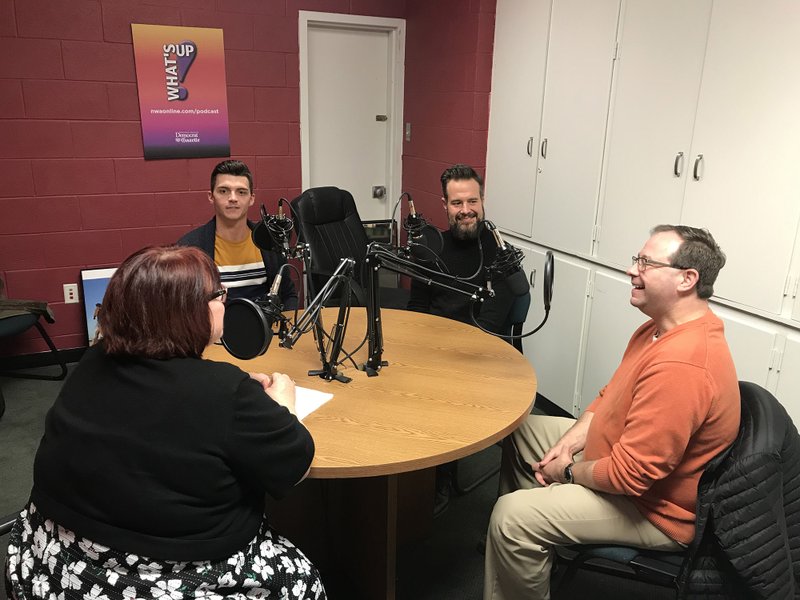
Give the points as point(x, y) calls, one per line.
point(516, 319)
point(327, 220)
point(760, 471)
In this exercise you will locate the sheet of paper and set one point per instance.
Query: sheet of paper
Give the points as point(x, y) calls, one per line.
point(309, 400)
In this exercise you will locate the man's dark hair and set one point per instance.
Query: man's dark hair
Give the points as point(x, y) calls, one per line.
point(232, 167)
point(698, 251)
point(459, 172)
point(156, 303)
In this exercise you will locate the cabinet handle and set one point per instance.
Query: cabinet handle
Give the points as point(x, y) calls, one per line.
point(677, 167)
point(696, 172)
point(530, 146)
point(544, 148)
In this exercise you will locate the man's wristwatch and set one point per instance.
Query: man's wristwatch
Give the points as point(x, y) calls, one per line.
point(568, 473)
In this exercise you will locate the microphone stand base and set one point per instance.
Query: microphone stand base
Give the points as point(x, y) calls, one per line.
point(330, 375)
point(372, 371)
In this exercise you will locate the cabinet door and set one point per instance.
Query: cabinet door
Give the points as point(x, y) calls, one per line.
point(657, 82)
point(555, 349)
point(747, 131)
point(580, 61)
point(751, 343)
point(520, 53)
point(788, 390)
point(612, 321)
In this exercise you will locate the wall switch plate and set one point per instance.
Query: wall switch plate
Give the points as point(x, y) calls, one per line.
point(71, 293)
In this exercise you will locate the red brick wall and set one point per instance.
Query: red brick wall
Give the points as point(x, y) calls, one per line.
point(448, 79)
point(76, 192)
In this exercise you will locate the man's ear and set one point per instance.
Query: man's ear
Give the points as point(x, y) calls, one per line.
point(210, 197)
point(444, 202)
point(689, 280)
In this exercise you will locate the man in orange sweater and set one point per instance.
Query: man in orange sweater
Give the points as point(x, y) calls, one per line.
point(626, 472)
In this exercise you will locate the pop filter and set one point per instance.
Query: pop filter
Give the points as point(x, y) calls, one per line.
point(547, 283)
point(246, 331)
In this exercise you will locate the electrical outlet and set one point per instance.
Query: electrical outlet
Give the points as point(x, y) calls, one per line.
point(71, 293)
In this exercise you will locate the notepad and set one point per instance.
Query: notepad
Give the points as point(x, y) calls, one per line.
point(308, 401)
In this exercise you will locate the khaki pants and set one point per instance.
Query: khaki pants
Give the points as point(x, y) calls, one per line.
point(528, 522)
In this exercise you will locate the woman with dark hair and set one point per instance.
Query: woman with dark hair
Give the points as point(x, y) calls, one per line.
point(151, 476)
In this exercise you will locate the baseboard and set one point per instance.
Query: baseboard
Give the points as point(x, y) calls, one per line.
point(39, 359)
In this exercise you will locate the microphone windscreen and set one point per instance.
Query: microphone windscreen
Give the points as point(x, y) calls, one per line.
point(549, 276)
point(261, 236)
point(246, 331)
point(518, 283)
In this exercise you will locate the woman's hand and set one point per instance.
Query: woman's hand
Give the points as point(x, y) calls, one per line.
point(280, 388)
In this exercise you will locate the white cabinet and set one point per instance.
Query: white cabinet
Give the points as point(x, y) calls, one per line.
point(656, 85)
point(611, 322)
point(745, 146)
point(752, 344)
point(788, 389)
point(580, 61)
point(520, 52)
point(554, 351)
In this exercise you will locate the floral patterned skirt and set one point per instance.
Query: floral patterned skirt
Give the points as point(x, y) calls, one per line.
point(46, 560)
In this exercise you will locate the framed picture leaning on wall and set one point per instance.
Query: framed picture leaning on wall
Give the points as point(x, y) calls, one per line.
point(93, 284)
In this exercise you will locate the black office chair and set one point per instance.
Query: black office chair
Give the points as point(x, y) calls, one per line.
point(327, 220)
point(760, 411)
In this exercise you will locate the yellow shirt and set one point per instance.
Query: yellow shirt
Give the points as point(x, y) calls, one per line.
point(240, 266)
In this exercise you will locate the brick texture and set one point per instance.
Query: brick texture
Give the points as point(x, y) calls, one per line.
point(77, 192)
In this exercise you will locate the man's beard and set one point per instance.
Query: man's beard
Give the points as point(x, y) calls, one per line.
point(465, 231)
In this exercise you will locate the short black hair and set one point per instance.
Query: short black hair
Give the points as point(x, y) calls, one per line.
point(699, 251)
point(459, 172)
point(232, 167)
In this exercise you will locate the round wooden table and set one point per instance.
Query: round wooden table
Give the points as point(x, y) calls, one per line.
point(448, 391)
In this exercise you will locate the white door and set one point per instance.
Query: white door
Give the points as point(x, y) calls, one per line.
point(554, 351)
point(351, 88)
point(612, 321)
point(745, 146)
point(580, 61)
point(652, 116)
point(520, 56)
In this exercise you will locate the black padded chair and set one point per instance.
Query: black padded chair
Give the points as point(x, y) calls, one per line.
point(327, 220)
point(665, 568)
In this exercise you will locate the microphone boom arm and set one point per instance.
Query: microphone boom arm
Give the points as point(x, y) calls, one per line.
point(379, 257)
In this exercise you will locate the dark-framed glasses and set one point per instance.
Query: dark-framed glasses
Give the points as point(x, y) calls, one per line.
point(221, 295)
point(642, 262)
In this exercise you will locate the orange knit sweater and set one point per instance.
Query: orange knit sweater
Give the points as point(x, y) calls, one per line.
point(671, 406)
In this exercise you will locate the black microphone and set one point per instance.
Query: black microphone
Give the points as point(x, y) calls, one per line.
point(261, 235)
point(507, 264)
point(414, 223)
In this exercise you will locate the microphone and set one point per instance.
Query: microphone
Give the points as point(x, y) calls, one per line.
point(273, 231)
point(414, 223)
point(507, 264)
point(260, 235)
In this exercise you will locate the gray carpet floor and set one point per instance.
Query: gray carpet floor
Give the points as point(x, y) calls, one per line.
point(444, 566)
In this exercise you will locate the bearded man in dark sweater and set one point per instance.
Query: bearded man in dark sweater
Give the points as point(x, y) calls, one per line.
point(466, 249)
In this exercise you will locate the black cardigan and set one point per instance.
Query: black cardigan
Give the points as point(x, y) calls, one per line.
point(169, 459)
